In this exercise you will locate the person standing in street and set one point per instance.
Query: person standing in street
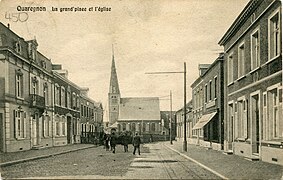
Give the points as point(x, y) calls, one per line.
point(136, 144)
point(113, 140)
point(107, 138)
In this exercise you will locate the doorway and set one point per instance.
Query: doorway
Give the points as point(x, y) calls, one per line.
point(230, 126)
point(255, 123)
point(69, 129)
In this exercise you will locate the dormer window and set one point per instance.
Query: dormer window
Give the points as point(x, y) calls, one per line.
point(32, 46)
point(18, 47)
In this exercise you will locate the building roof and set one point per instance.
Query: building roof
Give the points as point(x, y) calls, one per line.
point(139, 108)
point(209, 67)
point(248, 9)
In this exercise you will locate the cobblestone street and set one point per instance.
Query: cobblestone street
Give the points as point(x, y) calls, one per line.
point(157, 161)
point(92, 161)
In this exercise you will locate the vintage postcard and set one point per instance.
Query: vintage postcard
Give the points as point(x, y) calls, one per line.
point(141, 89)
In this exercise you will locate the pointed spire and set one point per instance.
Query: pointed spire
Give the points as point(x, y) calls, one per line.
point(114, 85)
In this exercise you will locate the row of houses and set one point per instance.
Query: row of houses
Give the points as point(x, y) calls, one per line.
point(39, 105)
point(237, 100)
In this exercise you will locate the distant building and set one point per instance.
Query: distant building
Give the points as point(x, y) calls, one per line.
point(253, 82)
point(169, 125)
point(208, 109)
point(66, 108)
point(91, 117)
point(133, 114)
point(180, 122)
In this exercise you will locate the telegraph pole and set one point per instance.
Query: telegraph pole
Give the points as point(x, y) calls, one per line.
point(185, 113)
point(171, 118)
point(185, 121)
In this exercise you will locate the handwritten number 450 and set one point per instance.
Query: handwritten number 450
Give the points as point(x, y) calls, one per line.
point(15, 17)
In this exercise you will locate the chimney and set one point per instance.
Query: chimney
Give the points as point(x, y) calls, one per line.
point(202, 68)
point(8, 26)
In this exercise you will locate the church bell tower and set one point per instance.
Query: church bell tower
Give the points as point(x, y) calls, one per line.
point(113, 95)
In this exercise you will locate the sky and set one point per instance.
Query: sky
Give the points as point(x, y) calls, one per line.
point(147, 36)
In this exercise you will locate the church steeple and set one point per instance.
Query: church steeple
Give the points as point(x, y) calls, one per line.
point(114, 85)
point(114, 94)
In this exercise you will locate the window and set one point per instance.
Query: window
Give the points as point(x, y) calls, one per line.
point(215, 87)
point(114, 99)
point(152, 127)
point(32, 51)
point(18, 47)
point(57, 126)
point(242, 118)
point(201, 97)
point(78, 101)
point(63, 97)
point(45, 93)
point(210, 90)
point(20, 124)
point(74, 104)
point(63, 128)
point(230, 69)
point(19, 84)
point(57, 94)
point(273, 100)
point(205, 93)
point(87, 115)
point(195, 100)
point(82, 110)
point(45, 126)
point(255, 50)
point(124, 126)
point(274, 35)
point(272, 113)
point(68, 99)
point(34, 85)
point(241, 60)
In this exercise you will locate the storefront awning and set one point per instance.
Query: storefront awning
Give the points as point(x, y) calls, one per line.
point(204, 120)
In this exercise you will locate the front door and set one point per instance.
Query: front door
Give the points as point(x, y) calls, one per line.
point(69, 129)
point(230, 126)
point(255, 123)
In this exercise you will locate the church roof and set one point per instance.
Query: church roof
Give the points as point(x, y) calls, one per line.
point(139, 108)
point(114, 85)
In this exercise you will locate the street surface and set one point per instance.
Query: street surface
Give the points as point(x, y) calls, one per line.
point(155, 162)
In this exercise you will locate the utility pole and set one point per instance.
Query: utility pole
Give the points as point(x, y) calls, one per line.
point(171, 118)
point(185, 113)
point(185, 121)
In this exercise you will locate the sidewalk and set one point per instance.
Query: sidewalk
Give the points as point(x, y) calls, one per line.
point(22, 156)
point(229, 166)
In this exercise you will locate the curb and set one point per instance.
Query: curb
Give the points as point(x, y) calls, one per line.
point(9, 163)
point(198, 163)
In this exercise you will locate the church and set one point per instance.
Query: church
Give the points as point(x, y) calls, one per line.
point(133, 114)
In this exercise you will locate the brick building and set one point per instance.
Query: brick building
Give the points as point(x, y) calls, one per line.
point(66, 108)
point(91, 116)
point(208, 109)
point(180, 121)
point(253, 67)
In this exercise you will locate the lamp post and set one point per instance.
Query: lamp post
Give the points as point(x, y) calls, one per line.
point(185, 127)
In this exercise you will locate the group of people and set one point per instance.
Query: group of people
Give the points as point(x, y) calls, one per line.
point(111, 140)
